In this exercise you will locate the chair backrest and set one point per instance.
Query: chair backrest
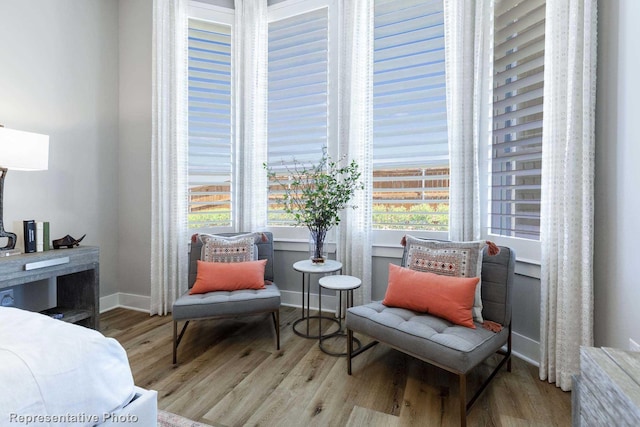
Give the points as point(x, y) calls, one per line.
point(265, 251)
point(497, 285)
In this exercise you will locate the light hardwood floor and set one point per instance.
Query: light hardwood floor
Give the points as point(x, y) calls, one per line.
point(230, 374)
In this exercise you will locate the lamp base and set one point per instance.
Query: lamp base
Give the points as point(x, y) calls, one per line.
point(11, 236)
point(11, 243)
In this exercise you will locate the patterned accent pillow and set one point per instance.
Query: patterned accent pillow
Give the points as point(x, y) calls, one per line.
point(240, 248)
point(456, 259)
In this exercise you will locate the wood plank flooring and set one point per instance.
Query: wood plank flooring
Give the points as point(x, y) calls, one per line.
point(230, 374)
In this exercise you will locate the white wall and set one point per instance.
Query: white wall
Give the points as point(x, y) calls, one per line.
point(134, 202)
point(59, 76)
point(617, 227)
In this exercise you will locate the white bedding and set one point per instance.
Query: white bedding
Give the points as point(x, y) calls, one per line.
point(53, 373)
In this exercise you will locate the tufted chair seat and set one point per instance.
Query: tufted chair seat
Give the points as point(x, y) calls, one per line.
point(223, 303)
point(426, 337)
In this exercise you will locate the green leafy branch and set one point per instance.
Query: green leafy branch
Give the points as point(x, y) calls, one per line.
point(314, 195)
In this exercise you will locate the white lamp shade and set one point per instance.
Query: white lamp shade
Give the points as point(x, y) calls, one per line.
point(26, 151)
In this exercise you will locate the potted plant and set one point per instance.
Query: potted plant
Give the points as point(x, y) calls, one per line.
point(315, 194)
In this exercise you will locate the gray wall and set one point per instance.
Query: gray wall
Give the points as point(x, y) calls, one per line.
point(134, 167)
point(617, 230)
point(59, 76)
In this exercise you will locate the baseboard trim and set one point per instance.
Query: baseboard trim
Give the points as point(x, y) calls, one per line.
point(525, 348)
point(109, 302)
point(125, 300)
point(294, 299)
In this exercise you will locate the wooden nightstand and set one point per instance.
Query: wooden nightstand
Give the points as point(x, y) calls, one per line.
point(77, 279)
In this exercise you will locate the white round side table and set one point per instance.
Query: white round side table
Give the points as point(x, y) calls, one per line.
point(307, 268)
point(341, 284)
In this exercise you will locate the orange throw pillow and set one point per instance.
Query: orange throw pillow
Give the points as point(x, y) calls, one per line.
point(228, 276)
point(448, 297)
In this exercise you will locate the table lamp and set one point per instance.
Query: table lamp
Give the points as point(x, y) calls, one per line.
point(23, 151)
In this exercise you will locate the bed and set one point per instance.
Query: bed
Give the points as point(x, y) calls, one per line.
point(54, 373)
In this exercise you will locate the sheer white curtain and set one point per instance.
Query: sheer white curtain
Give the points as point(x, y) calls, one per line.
point(356, 139)
point(568, 151)
point(250, 54)
point(169, 155)
point(468, 71)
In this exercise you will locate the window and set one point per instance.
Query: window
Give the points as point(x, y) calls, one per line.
point(410, 148)
point(516, 156)
point(210, 135)
point(298, 97)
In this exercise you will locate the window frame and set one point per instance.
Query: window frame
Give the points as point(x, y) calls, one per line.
point(223, 16)
point(528, 251)
point(388, 241)
point(385, 242)
point(287, 9)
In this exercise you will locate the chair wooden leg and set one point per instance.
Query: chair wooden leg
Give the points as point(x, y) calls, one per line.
point(275, 315)
point(175, 342)
point(463, 400)
point(509, 350)
point(177, 338)
point(349, 349)
point(506, 359)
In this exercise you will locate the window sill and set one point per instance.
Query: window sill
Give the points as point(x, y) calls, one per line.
point(524, 267)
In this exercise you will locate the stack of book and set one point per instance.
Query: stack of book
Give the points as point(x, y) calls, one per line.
point(36, 236)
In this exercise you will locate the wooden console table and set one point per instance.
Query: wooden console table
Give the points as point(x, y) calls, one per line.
point(77, 279)
point(607, 391)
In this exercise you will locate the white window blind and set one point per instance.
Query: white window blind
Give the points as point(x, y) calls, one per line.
point(297, 97)
point(411, 155)
point(210, 142)
point(516, 157)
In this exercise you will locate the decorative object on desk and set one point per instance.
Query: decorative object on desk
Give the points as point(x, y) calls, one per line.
point(313, 195)
point(29, 233)
point(46, 236)
point(22, 151)
point(67, 241)
point(10, 252)
point(39, 236)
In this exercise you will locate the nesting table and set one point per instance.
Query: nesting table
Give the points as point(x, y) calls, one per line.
point(341, 284)
point(307, 268)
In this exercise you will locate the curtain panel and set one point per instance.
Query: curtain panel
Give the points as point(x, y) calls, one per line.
point(169, 155)
point(356, 140)
point(568, 156)
point(468, 69)
point(250, 55)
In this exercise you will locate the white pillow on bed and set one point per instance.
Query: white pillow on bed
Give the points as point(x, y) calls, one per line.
point(51, 368)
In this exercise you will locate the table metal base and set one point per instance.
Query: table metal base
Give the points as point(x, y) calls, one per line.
point(338, 334)
point(320, 319)
point(332, 267)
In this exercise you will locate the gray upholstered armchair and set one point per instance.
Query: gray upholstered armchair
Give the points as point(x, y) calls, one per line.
point(457, 349)
point(224, 304)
